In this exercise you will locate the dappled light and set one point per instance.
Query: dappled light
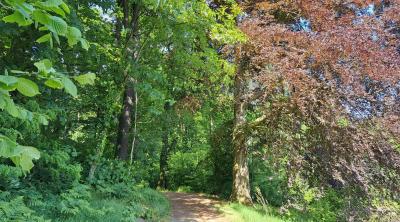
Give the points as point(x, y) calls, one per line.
point(199, 111)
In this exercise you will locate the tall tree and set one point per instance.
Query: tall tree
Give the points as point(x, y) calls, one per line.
point(334, 66)
point(130, 21)
point(241, 180)
point(166, 147)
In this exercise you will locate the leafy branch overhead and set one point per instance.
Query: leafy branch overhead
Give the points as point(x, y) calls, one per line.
point(45, 16)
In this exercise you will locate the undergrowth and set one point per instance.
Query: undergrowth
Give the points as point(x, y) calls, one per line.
point(113, 195)
point(241, 213)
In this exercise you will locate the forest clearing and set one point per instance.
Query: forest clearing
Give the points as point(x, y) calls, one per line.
point(200, 110)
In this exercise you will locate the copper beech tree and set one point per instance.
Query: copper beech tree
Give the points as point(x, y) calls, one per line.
point(332, 60)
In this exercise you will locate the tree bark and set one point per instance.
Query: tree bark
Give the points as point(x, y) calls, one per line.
point(241, 181)
point(134, 128)
point(125, 122)
point(162, 181)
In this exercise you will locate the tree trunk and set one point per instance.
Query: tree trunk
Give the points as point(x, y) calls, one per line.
point(162, 181)
point(134, 128)
point(125, 122)
point(241, 182)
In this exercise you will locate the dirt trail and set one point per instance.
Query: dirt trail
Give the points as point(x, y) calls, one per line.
point(195, 208)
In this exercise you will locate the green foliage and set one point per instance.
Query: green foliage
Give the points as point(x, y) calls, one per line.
point(25, 14)
point(148, 204)
point(387, 210)
point(27, 88)
point(55, 171)
point(177, 63)
point(343, 122)
point(40, 13)
point(13, 209)
point(86, 79)
point(9, 177)
point(187, 172)
point(327, 208)
point(241, 213)
point(113, 172)
point(137, 203)
point(272, 183)
point(74, 201)
point(22, 156)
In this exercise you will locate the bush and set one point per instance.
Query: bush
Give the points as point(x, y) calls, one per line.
point(111, 172)
point(328, 208)
point(149, 204)
point(14, 209)
point(74, 201)
point(134, 203)
point(189, 170)
point(9, 177)
point(55, 171)
point(272, 183)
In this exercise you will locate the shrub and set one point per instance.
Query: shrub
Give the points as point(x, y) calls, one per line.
point(74, 201)
point(13, 209)
point(272, 183)
point(113, 172)
point(9, 177)
point(55, 171)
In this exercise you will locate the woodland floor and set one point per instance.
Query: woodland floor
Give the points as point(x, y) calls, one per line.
point(187, 207)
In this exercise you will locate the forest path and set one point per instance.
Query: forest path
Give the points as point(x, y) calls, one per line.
point(187, 207)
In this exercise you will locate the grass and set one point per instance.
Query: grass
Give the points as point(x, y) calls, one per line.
point(241, 213)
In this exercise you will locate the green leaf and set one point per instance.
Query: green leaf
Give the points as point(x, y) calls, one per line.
point(19, 18)
point(22, 156)
point(58, 10)
point(44, 38)
point(22, 114)
point(73, 36)
point(11, 108)
point(86, 79)
point(8, 83)
point(43, 120)
point(27, 154)
point(19, 72)
point(85, 44)
point(44, 66)
point(7, 147)
point(58, 25)
point(8, 80)
point(8, 88)
point(51, 41)
point(31, 152)
point(41, 17)
point(304, 128)
point(27, 87)
point(65, 8)
point(53, 3)
point(69, 86)
point(54, 83)
point(25, 162)
point(43, 28)
point(2, 101)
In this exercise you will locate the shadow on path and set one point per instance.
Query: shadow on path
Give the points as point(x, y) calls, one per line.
point(194, 208)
